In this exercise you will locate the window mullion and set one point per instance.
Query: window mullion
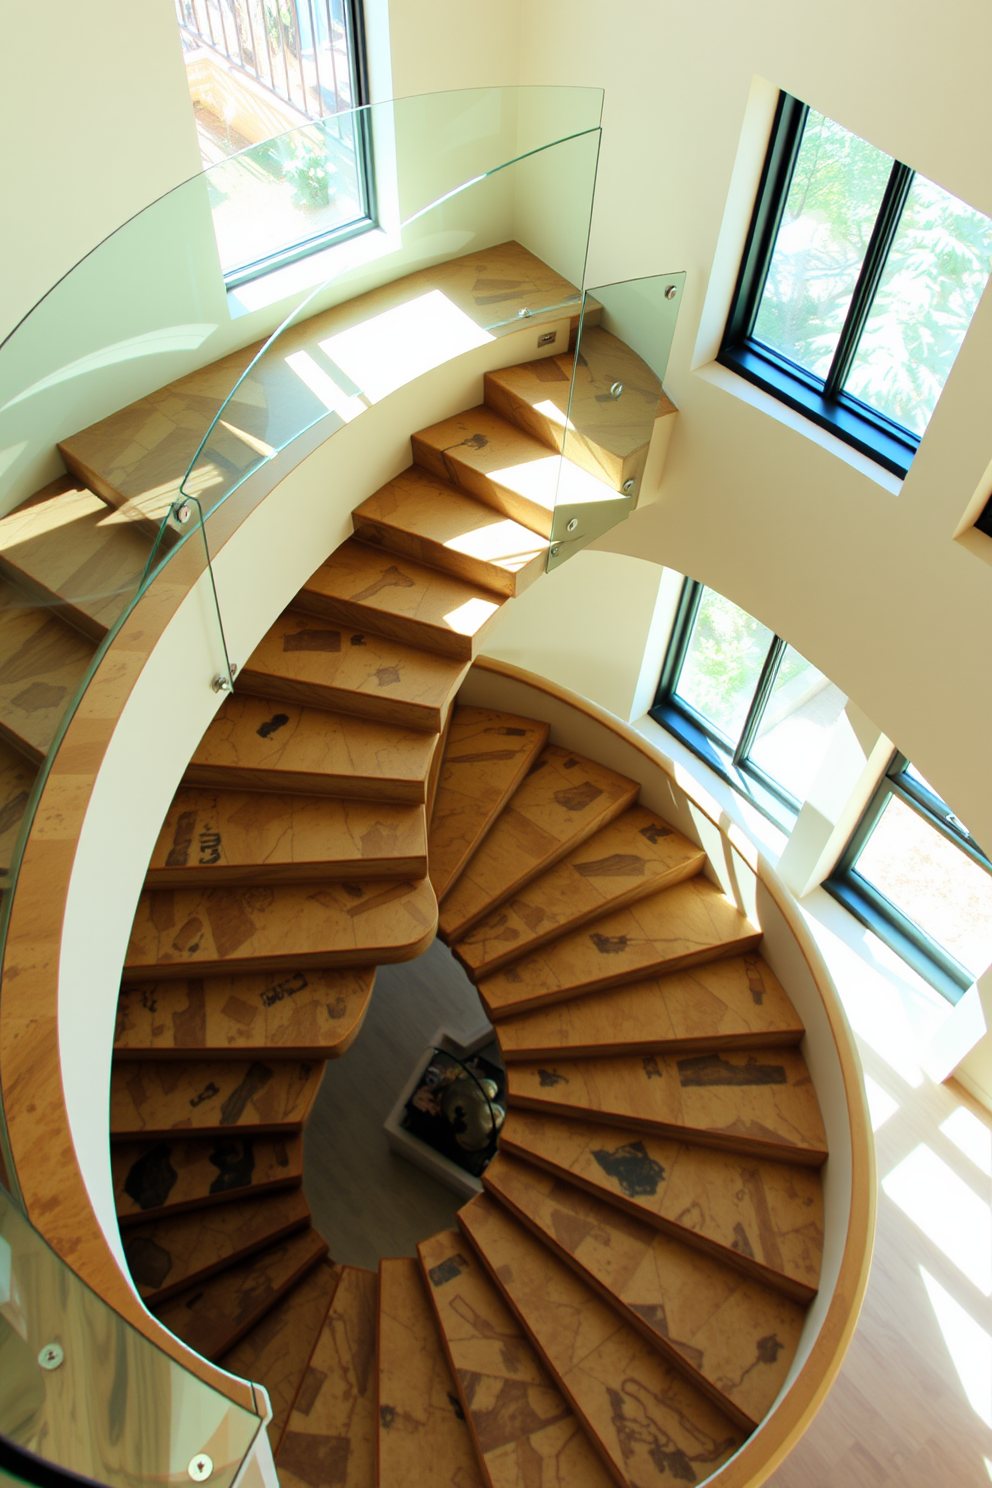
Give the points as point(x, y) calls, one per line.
point(758, 703)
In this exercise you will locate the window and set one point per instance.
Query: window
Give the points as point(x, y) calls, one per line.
point(746, 702)
point(858, 283)
point(913, 873)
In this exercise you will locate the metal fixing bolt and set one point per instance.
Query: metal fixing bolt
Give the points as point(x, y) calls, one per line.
point(523, 314)
point(556, 550)
point(221, 683)
point(181, 512)
point(51, 1356)
point(627, 486)
point(671, 291)
point(201, 1467)
point(616, 390)
point(572, 525)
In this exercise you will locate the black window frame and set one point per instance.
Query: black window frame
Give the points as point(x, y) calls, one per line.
point(823, 401)
point(879, 914)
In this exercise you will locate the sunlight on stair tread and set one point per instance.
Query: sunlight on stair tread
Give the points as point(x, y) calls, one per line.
point(323, 386)
point(969, 1346)
point(972, 1136)
point(468, 617)
point(498, 540)
point(947, 1210)
point(553, 412)
point(391, 349)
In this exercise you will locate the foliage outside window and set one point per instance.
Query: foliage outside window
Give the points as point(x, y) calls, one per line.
point(858, 283)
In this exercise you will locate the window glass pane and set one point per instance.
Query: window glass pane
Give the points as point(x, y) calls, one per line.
point(932, 882)
point(726, 651)
point(796, 724)
point(830, 211)
point(933, 279)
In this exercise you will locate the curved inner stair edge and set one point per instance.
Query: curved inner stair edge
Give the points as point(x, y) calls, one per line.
point(627, 1300)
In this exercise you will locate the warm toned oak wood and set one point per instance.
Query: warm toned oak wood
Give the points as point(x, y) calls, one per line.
point(562, 801)
point(163, 1097)
point(17, 777)
point(171, 1255)
point(419, 516)
point(155, 1179)
point(733, 1337)
point(361, 586)
point(214, 1316)
point(302, 659)
point(301, 1015)
point(261, 744)
point(649, 1422)
point(682, 926)
point(331, 1434)
point(250, 837)
point(522, 1425)
point(43, 661)
point(423, 1436)
point(284, 928)
point(486, 756)
point(721, 1005)
point(635, 855)
point(437, 760)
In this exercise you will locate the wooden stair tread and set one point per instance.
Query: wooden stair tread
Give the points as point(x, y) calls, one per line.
point(650, 1423)
point(754, 1100)
point(764, 1217)
point(631, 857)
point(17, 778)
point(301, 1015)
point(331, 1434)
point(437, 761)
point(261, 744)
point(691, 922)
point(239, 837)
point(161, 1097)
point(214, 1315)
point(276, 1352)
point(423, 1435)
point(168, 1256)
point(43, 660)
point(301, 659)
point(520, 1422)
point(563, 799)
point(361, 586)
point(732, 1336)
point(156, 1179)
point(487, 755)
point(420, 516)
point(718, 1005)
point(285, 927)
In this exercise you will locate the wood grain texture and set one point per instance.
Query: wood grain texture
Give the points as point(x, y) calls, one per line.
point(162, 1097)
point(43, 661)
point(733, 1337)
point(764, 1217)
point(17, 778)
point(302, 659)
point(302, 1015)
point(682, 926)
point(563, 800)
point(422, 1433)
point(524, 1429)
point(648, 1421)
point(635, 855)
point(724, 1004)
point(331, 1435)
point(261, 744)
point(486, 757)
point(284, 928)
point(419, 516)
point(229, 838)
point(153, 1180)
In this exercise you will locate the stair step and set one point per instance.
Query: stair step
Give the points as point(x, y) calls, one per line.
point(649, 1422)
point(518, 1418)
point(215, 1315)
point(682, 926)
point(257, 743)
point(75, 553)
point(229, 838)
point(157, 1098)
point(155, 1179)
point(168, 1256)
point(631, 857)
point(758, 1100)
point(42, 663)
point(607, 436)
point(17, 778)
point(276, 1352)
point(304, 660)
point(486, 757)
point(332, 1432)
point(720, 1005)
point(419, 516)
point(302, 1015)
point(561, 802)
point(283, 928)
point(423, 1435)
point(732, 1336)
point(361, 586)
point(437, 762)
